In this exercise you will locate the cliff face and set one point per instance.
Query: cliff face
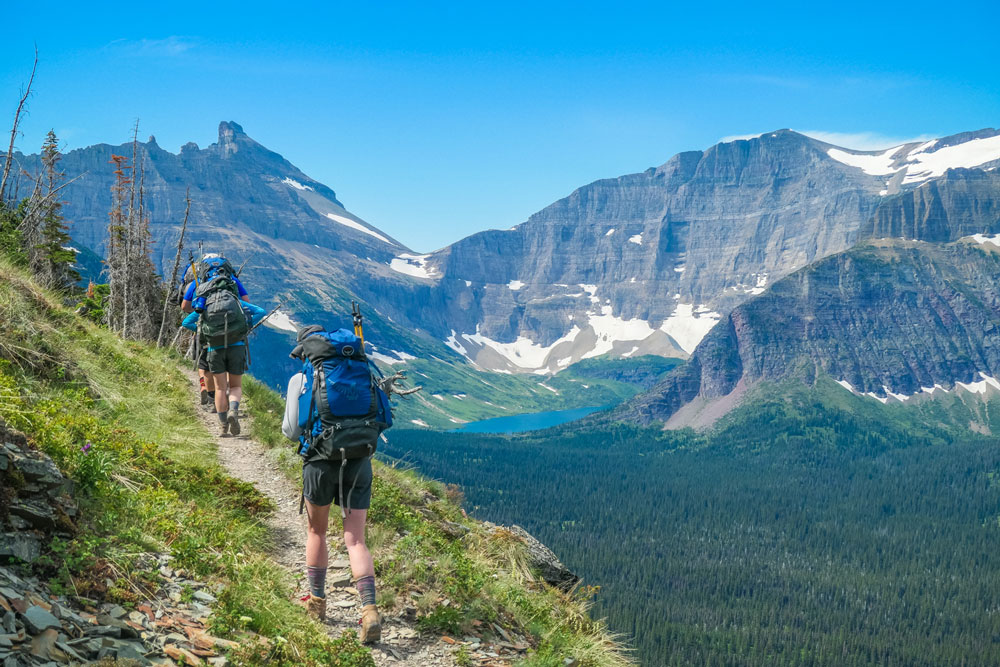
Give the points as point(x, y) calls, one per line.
point(645, 263)
point(891, 319)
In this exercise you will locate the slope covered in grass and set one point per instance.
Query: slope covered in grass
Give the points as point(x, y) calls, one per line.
point(150, 481)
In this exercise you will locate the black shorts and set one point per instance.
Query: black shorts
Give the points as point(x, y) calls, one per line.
point(321, 483)
point(203, 359)
point(232, 360)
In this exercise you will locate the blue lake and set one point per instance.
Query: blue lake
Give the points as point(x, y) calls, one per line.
point(526, 422)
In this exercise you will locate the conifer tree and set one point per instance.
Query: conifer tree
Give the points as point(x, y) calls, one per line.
point(50, 257)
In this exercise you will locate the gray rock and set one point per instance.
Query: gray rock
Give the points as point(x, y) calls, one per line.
point(202, 596)
point(126, 631)
point(131, 651)
point(546, 562)
point(40, 470)
point(117, 611)
point(9, 622)
point(25, 546)
point(37, 620)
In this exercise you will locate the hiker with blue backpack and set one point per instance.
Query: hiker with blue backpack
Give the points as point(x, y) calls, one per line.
point(209, 266)
point(222, 321)
point(337, 409)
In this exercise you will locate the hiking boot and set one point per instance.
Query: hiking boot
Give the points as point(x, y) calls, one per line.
point(316, 607)
point(211, 409)
point(204, 396)
point(371, 624)
point(225, 427)
point(233, 420)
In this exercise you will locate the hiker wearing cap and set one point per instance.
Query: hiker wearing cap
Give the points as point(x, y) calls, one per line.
point(337, 410)
point(209, 266)
point(223, 322)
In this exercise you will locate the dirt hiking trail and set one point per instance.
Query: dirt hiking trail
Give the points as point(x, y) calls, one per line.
point(401, 643)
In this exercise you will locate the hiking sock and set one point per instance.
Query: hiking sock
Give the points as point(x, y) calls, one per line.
point(234, 407)
point(317, 581)
point(201, 382)
point(211, 395)
point(366, 588)
point(222, 417)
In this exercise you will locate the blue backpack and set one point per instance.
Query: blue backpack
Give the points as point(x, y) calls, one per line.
point(342, 409)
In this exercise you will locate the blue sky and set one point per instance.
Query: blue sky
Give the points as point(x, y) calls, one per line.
point(435, 121)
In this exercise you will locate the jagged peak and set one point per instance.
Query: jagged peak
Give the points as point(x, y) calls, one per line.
point(228, 129)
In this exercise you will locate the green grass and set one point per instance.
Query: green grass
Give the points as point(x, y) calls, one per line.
point(149, 481)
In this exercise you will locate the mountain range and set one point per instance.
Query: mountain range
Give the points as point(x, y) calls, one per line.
point(808, 256)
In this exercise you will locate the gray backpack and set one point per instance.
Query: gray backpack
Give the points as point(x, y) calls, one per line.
point(223, 320)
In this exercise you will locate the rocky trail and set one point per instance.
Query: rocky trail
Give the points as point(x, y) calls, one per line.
point(402, 644)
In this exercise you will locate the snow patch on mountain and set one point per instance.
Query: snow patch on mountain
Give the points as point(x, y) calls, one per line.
point(414, 265)
point(295, 184)
point(983, 239)
point(688, 325)
point(921, 163)
point(636, 239)
point(979, 387)
point(354, 224)
point(515, 285)
point(875, 165)
point(281, 321)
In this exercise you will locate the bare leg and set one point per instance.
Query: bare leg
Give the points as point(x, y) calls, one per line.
point(235, 387)
point(317, 552)
point(209, 379)
point(357, 551)
point(221, 389)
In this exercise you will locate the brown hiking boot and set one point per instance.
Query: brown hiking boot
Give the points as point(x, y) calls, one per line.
point(371, 624)
point(316, 607)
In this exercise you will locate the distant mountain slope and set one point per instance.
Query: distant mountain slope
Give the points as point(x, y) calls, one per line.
point(645, 263)
point(889, 319)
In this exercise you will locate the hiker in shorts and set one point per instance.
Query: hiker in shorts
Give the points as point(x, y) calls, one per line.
point(349, 485)
point(226, 363)
point(205, 378)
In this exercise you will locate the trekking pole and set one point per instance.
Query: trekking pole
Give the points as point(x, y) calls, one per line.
point(240, 270)
point(264, 319)
point(358, 323)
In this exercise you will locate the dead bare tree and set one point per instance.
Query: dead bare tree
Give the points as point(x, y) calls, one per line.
point(13, 130)
point(116, 255)
point(177, 266)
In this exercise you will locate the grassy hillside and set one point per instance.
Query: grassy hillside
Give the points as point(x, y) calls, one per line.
point(150, 481)
point(810, 527)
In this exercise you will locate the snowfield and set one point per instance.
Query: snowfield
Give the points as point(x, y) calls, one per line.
point(354, 224)
point(921, 163)
point(414, 265)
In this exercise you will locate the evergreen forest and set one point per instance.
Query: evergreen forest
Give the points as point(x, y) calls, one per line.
point(808, 528)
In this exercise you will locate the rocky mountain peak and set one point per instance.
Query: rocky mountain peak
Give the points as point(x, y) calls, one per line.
point(231, 135)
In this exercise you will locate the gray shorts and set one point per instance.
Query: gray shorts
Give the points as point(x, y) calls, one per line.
point(232, 360)
point(321, 483)
point(203, 359)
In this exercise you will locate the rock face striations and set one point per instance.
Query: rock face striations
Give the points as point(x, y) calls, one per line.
point(887, 319)
point(645, 263)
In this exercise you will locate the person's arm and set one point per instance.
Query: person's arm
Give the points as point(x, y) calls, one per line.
point(256, 313)
point(241, 290)
point(290, 423)
point(188, 298)
point(191, 322)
